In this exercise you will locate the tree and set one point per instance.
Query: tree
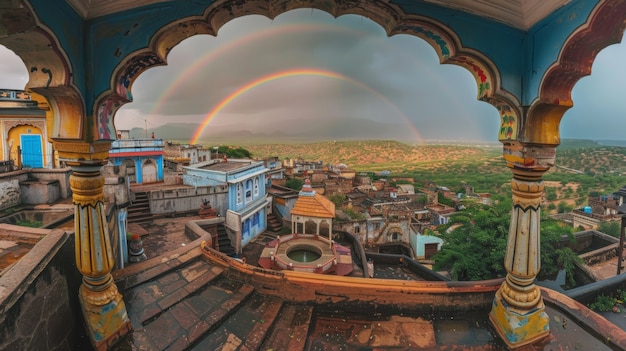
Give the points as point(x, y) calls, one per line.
point(234, 152)
point(338, 199)
point(550, 194)
point(294, 183)
point(444, 200)
point(475, 248)
point(555, 255)
point(563, 207)
point(612, 228)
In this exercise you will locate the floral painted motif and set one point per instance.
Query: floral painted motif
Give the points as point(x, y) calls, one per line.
point(484, 85)
point(138, 65)
point(439, 42)
point(107, 107)
point(508, 123)
point(105, 112)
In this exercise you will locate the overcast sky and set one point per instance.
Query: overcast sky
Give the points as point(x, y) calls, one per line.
point(397, 80)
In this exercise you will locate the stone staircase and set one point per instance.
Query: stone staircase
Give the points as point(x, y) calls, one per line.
point(223, 242)
point(139, 210)
point(273, 223)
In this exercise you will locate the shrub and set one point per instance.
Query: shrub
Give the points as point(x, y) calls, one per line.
point(603, 303)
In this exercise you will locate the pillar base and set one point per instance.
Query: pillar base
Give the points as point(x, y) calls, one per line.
point(106, 324)
point(518, 327)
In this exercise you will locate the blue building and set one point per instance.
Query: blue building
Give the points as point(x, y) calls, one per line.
point(246, 216)
point(142, 159)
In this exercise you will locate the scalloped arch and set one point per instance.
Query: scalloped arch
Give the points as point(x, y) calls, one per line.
point(443, 40)
point(604, 27)
point(47, 66)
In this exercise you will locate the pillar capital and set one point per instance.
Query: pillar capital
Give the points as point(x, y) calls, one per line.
point(79, 152)
point(528, 161)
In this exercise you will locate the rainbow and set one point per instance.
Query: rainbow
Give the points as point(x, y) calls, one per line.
point(295, 73)
point(272, 32)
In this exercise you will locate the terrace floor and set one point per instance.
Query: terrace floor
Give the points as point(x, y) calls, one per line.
point(177, 300)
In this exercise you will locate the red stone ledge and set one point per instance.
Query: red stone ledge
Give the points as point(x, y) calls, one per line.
point(310, 287)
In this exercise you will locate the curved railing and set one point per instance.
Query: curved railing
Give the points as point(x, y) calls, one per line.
point(298, 286)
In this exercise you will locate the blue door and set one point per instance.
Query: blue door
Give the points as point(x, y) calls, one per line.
point(32, 153)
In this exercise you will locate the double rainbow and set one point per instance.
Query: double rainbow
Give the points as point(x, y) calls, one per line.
point(288, 74)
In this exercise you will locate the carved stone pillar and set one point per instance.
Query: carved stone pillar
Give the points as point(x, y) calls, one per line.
point(103, 309)
point(518, 313)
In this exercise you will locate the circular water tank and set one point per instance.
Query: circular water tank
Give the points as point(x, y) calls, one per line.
point(587, 209)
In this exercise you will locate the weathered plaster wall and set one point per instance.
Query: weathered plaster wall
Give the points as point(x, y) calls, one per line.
point(188, 199)
point(10, 191)
point(40, 191)
point(62, 175)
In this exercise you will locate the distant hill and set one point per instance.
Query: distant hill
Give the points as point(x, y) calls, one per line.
point(378, 155)
point(577, 143)
point(287, 131)
point(606, 142)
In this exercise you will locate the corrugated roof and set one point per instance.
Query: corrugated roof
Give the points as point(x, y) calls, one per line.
point(314, 206)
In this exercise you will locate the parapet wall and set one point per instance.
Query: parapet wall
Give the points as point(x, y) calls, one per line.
point(39, 307)
point(353, 292)
point(186, 199)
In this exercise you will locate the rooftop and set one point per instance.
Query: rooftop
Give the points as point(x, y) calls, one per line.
point(190, 298)
point(186, 297)
point(226, 166)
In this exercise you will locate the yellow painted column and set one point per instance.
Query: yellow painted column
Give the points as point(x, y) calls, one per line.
point(102, 305)
point(518, 312)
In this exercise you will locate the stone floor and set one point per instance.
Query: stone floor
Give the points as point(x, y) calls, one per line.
point(177, 300)
point(606, 269)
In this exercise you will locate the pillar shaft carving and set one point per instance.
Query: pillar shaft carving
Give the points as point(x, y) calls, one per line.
point(102, 305)
point(518, 313)
point(94, 257)
point(522, 258)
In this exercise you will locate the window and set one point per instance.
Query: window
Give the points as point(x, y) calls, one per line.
point(248, 190)
point(357, 229)
point(256, 186)
point(239, 194)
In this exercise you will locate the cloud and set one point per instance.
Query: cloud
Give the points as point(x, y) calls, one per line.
point(13, 73)
point(396, 80)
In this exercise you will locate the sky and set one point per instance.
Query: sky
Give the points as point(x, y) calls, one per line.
point(342, 70)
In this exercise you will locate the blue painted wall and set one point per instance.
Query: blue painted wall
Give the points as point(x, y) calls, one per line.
point(139, 161)
point(69, 28)
point(544, 42)
point(253, 226)
point(237, 206)
point(522, 58)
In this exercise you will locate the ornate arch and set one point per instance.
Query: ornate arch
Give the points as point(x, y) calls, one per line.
point(604, 27)
point(443, 40)
point(47, 66)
